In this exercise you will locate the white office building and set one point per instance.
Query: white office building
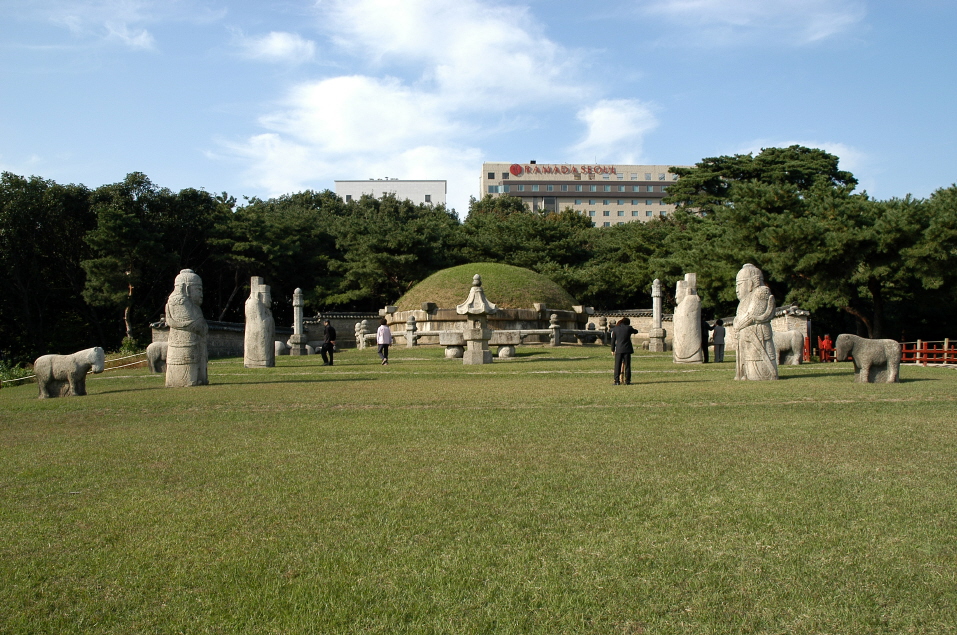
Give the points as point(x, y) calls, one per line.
point(428, 192)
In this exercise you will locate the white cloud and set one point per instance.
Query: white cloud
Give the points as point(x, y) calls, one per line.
point(615, 131)
point(133, 38)
point(441, 74)
point(738, 21)
point(472, 51)
point(279, 46)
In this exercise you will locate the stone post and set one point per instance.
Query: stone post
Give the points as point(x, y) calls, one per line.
point(410, 329)
point(656, 341)
point(297, 343)
point(476, 309)
point(603, 329)
point(556, 328)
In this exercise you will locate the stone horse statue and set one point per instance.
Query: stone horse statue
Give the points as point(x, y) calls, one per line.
point(789, 346)
point(875, 361)
point(65, 375)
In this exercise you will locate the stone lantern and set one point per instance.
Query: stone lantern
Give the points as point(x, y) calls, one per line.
point(476, 310)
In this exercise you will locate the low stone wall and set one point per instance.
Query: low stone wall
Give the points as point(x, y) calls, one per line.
point(225, 338)
point(503, 319)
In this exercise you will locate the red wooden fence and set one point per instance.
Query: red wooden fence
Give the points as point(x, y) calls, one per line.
point(920, 352)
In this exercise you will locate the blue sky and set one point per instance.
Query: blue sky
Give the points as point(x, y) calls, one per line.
point(262, 98)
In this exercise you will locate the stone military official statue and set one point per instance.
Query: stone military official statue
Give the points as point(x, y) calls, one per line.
point(756, 355)
point(186, 357)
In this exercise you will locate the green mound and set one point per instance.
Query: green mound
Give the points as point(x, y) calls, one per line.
point(506, 286)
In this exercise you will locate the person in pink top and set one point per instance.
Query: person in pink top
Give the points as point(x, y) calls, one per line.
point(383, 337)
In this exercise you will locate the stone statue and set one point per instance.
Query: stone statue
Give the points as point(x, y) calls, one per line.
point(186, 357)
point(156, 357)
point(65, 375)
point(875, 361)
point(789, 346)
point(259, 349)
point(756, 357)
point(686, 339)
point(656, 336)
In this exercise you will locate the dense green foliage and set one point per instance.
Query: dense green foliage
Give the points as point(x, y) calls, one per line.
point(506, 286)
point(87, 267)
point(530, 496)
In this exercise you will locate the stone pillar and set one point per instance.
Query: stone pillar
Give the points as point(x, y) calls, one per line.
point(410, 329)
point(603, 330)
point(656, 342)
point(297, 343)
point(259, 348)
point(476, 308)
point(556, 336)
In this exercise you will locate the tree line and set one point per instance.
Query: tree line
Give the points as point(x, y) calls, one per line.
point(88, 267)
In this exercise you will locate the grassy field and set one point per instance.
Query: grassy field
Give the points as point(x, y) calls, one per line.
point(529, 496)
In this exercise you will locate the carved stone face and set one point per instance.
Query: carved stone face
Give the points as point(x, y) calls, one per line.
point(195, 293)
point(742, 288)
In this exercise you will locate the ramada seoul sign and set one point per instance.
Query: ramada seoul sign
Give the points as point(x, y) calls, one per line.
point(519, 170)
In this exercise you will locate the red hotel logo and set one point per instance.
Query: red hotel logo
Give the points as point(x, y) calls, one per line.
point(518, 170)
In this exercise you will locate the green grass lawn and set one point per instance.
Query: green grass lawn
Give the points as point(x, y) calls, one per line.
point(529, 496)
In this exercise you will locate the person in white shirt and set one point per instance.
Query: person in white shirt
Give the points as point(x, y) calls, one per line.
point(383, 337)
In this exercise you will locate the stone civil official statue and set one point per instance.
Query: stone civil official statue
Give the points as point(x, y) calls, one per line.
point(756, 356)
point(186, 357)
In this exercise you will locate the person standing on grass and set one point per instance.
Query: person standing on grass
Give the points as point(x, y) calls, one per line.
point(383, 337)
point(622, 348)
point(705, 334)
point(328, 343)
point(718, 339)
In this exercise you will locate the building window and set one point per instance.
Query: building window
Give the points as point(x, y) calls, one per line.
point(634, 176)
point(592, 188)
point(649, 213)
point(591, 212)
point(648, 201)
point(564, 188)
point(621, 188)
point(605, 201)
point(606, 176)
point(491, 176)
point(621, 201)
point(492, 189)
point(428, 197)
point(606, 224)
point(578, 188)
point(504, 176)
point(606, 188)
point(578, 201)
point(635, 188)
point(664, 212)
point(505, 188)
point(605, 213)
point(621, 212)
point(634, 212)
point(634, 201)
point(521, 188)
point(578, 177)
point(534, 188)
point(621, 176)
point(649, 188)
point(348, 198)
point(647, 176)
point(661, 176)
point(674, 177)
point(591, 201)
point(661, 203)
point(549, 188)
point(621, 222)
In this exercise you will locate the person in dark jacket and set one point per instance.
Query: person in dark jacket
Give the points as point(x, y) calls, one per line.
point(328, 343)
point(622, 348)
point(705, 336)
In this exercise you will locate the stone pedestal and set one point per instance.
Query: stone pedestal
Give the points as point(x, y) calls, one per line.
point(656, 340)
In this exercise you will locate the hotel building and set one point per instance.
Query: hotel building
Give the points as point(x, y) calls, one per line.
point(608, 194)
